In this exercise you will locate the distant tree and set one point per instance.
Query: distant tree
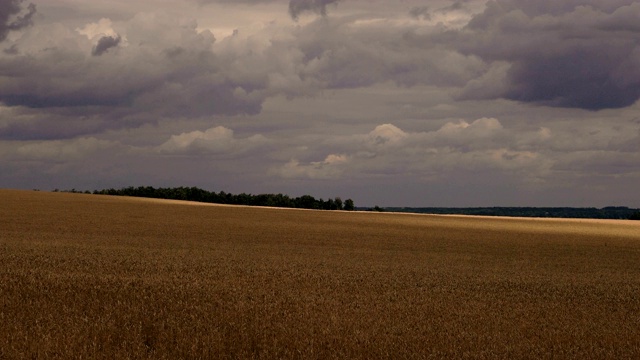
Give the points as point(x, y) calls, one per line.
point(306, 202)
point(197, 194)
point(349, 205)
point(338, 203)
point(283, 200)
point(635, 216)
point(330, 205)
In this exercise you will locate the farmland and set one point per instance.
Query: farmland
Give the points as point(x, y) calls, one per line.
point(91, 276)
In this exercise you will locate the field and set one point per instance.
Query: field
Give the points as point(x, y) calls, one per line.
point(90, 276)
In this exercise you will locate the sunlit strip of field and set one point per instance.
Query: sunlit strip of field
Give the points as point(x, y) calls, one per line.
point(96, 276)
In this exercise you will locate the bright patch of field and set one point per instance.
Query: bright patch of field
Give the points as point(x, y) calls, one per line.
point(110, 277)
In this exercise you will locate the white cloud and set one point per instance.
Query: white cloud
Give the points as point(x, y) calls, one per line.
point(96, 30)
point(478, 128)
point(455, 147)
point(330, 168)
point(386, 134)
point(213, 141)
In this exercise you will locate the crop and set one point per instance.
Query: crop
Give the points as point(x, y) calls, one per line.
point(91, 276)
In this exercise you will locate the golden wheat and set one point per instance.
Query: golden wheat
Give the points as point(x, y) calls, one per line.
point(88, 276)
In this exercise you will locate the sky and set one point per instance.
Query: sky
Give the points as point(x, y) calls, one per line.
point(388, 102)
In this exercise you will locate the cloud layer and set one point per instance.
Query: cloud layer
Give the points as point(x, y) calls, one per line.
point(297, 7)
point(326, 96)
point(567, 54)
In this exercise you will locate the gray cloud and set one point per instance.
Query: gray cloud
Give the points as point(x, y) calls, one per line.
point(551, 7)
point(567, 54)
point(340, 55)
point(167, 68)
point(105, 43)
point(389, 151)
point(246, 2)
point(456, 6)
point(420, 12)
point(13, 50)
point(12, 16)
point(361, 104)
point(297, 7)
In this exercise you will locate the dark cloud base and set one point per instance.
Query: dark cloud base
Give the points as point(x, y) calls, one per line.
point(13, 8)
point(575, 54)
point(105, 43)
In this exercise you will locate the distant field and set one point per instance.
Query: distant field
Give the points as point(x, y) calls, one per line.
point(90, 276)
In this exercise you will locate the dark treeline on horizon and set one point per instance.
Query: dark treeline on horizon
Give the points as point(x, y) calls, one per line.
point(309, 202)
point(200, 195)
point(609, 212)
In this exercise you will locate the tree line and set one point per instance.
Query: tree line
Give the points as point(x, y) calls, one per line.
point(200, 195)
point(309, 202)
point(609, 212)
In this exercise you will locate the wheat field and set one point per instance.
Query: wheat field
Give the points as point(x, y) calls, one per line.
point(89, 276)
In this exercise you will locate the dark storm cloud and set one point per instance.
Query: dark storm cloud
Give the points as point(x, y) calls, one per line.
point(420, 12)
point(555, 7)
point(297, 7)
point(456, 6)
point(60, 78)
point(167, 68)
point(12, 16)
point(105, 43)
point(577, 54)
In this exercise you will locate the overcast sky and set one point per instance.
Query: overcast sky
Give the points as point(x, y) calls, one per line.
point(388, 102)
